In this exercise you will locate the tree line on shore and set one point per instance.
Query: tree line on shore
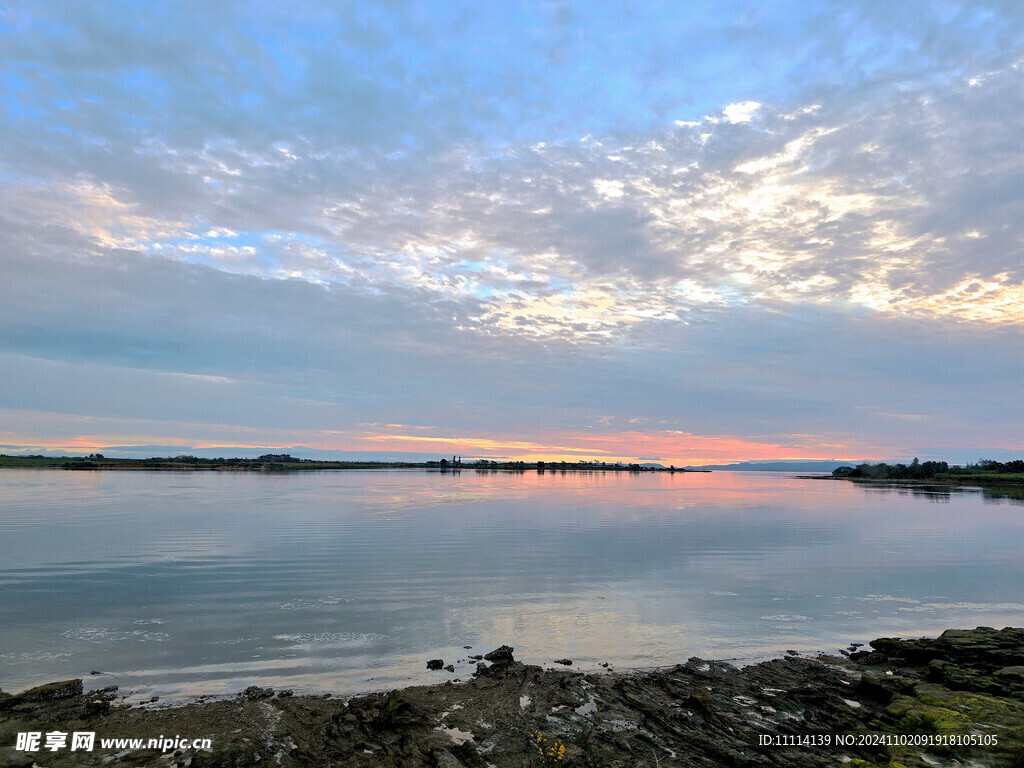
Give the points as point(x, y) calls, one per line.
point(285, 462)
point(918, 470)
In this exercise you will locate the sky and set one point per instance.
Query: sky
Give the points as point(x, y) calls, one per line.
point(686, 232)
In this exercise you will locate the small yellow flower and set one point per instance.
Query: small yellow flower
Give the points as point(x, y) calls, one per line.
point(549, 754)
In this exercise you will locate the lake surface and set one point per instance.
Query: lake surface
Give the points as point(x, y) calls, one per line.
point(182, 583)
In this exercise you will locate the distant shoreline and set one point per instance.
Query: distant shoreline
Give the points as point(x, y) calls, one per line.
point(291, 464)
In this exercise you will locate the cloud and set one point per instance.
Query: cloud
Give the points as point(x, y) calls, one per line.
point(887, 204)
point(198, 355)
point(742, 112)
point(287, 220)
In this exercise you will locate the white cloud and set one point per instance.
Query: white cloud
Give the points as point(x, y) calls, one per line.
point(741, 112)
point(609, 188)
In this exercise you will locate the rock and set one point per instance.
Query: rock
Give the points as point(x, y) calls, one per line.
point(887, 645)
point(255, 693)
point(450, 668)
point(65, 689)
point(97, 706)
point(500, 655)
point(992, 647)
point(285, 693)
point(476, 657)
point(504, 670)
point(566, 662)
point(1013, 673)
point(467, 647)
point(154, 699)
point(708, 713)
point(94, 672)
point(877, 688)
point(983, 649)
point(435, 664)
point(446, 759)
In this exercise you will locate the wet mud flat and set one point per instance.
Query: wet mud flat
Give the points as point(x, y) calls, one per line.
point(957, 700)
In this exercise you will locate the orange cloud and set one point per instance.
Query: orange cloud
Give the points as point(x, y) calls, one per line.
point(77, 433)
point(675, 447)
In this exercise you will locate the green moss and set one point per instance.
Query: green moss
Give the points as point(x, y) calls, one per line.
point(939, 710)
point(915, 716)
point(905, 757)
point(977, 707)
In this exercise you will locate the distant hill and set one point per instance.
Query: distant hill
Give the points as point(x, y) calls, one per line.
point(782, 466)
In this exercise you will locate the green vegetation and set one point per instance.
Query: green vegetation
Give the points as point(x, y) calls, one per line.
point(986, 470)
point(915, 471)
point(936, 709)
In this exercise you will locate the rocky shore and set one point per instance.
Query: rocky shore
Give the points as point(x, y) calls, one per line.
point(957, 700)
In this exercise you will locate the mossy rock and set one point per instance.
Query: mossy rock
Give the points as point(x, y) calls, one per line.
point(1013, 674)
point(966, 679)
point(977, 707)
point(937, 709)
point(916, 716)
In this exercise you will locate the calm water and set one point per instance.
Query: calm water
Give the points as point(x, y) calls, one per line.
point(187, 583)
